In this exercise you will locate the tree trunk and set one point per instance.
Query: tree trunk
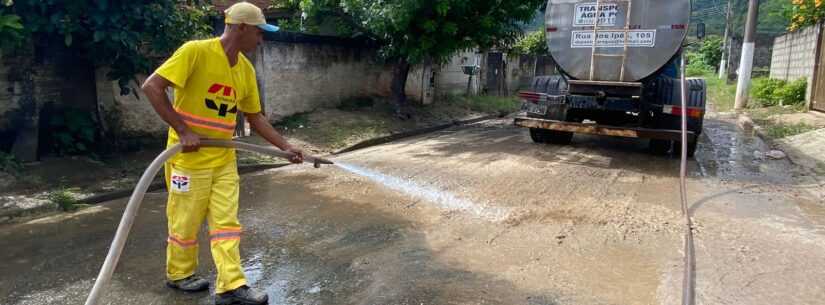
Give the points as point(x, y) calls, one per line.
point(400, 71)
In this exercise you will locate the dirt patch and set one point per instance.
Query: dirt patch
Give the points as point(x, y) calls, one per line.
point(328, 130)
point(814, 119)
point(781, 122)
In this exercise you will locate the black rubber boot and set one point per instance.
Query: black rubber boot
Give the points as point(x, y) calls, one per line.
point(243, 295)
point(189, 284)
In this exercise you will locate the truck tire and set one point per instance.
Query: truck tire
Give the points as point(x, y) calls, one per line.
point(553, 85)
point(663, 147)
point(660, 147)
point(668, 92)
point(691, 149)
point(551, 136)
point(550, 84)
point(538, 135)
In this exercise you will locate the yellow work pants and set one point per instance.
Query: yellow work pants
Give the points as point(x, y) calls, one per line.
point(195, 194)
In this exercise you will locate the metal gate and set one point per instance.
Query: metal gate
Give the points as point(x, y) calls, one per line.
point(495, 73)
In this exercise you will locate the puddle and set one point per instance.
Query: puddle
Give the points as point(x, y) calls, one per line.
point(271, 275)
point(729, 155)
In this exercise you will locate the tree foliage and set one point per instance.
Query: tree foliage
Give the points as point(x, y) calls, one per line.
point(11, 28)
point(806, 12)
point(534, 43)
point(774, 16)
point(432, 29)
point(711, 51)
point(122, 34)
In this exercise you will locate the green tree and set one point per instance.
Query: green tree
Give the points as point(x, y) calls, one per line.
point(774, 16)
point(122, 34)
point(414, 31)
point(11, 30)
point(534, 43)
point(806, 12)
point(711, 51)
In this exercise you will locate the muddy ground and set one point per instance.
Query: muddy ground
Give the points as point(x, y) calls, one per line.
point(473, 215)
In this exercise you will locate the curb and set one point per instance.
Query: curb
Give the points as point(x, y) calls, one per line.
point(412, 133)
point(8, 216)
point(745, 122)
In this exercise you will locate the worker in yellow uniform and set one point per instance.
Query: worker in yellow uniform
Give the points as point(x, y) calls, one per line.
point(213, 82)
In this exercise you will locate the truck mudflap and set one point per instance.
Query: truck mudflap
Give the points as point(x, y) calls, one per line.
point(605, 130)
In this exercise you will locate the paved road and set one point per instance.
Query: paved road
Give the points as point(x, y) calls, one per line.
point(474, 215)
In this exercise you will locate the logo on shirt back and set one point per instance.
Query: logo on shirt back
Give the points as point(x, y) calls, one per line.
point(222, 93)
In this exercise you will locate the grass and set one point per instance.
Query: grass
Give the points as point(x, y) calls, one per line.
point(764, 113)
point(820, 168)
point(781, 130)
point(366, 118)
point(357, 103)
point(9, 164)
point(485, 103)
point(340, 136)
point(723, 96)
point(720, 92)
point(295, 121)
point(336, 134)
point(64, 199)
point(775, 129)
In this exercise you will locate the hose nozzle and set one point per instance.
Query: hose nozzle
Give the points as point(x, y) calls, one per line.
point(316, 162)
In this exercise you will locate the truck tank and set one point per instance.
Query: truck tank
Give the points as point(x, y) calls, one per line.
point(635, 37)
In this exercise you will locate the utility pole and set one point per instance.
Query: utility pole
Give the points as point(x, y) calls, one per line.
point(723, 64)
point(746, 64)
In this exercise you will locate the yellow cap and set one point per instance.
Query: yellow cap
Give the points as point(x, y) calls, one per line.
point(248, 13)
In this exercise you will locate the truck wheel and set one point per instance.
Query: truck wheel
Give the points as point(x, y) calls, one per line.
point(691, 149)
point(560, 137)
point(660, 147)
point(551, 136)
point(538, 135)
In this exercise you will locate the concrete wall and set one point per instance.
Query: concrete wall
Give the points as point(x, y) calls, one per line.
point(302, 72)
point(34, 86)
point(794, 56)
point(127, 116)
point(300, 75)
point(451, 77)
point(10, 92)
point(520, 72)
point(296, 73)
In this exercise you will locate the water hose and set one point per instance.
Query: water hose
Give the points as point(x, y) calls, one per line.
point(687, 280)
point(128, 219)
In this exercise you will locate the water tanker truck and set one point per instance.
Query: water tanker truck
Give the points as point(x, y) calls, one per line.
point(619, 74)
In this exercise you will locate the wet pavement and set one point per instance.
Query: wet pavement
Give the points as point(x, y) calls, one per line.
point(474, 215)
